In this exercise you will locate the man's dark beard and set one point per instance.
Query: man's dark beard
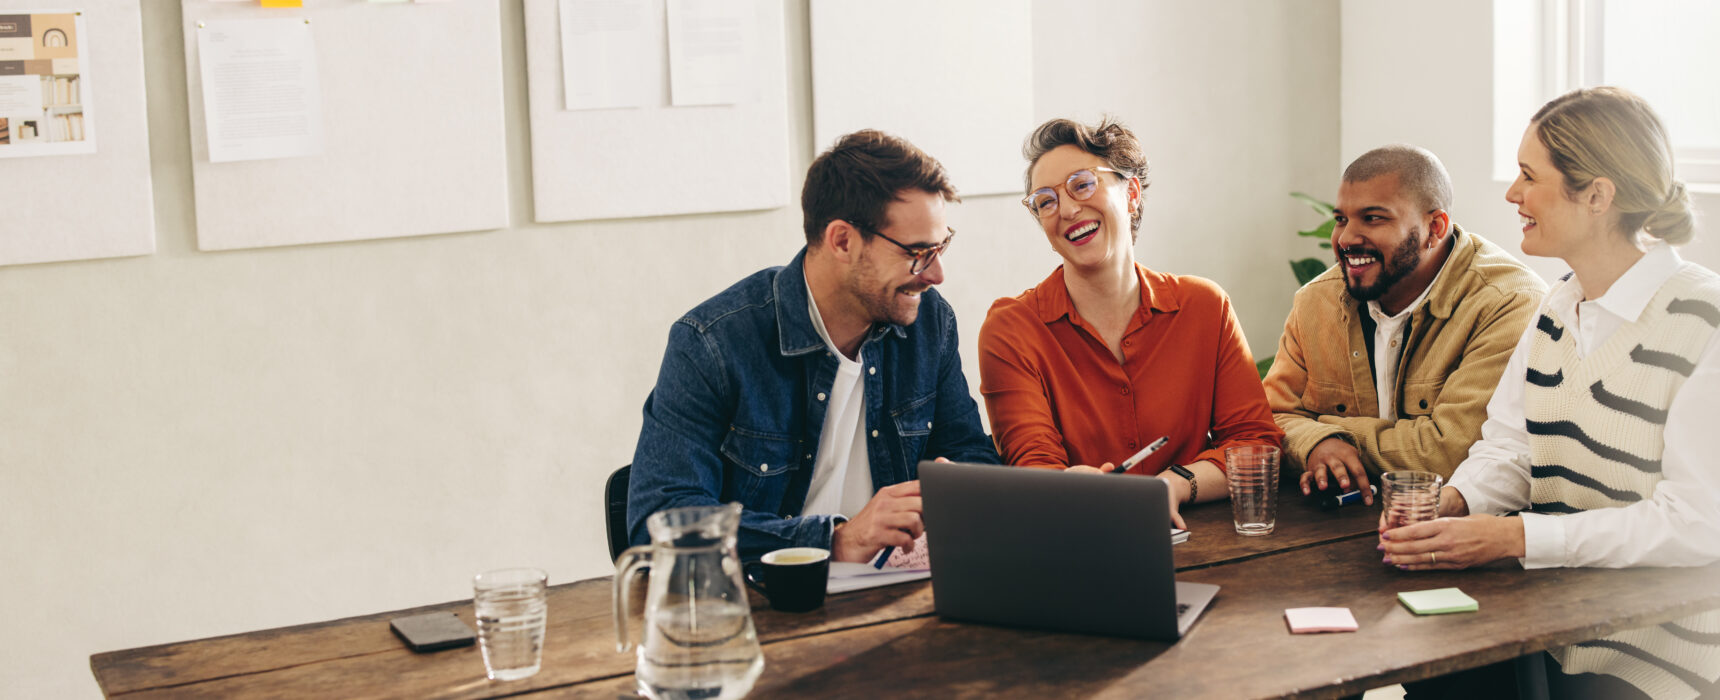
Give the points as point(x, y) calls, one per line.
point(1393, 269)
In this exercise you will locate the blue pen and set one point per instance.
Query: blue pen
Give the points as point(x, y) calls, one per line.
point(1149, 449)
point(1333, 502)
point(883, 556)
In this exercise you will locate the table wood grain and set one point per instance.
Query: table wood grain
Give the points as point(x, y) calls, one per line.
point(1241, 647)
point(360, 655)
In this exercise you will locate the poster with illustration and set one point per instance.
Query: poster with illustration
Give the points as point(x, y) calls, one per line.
point(44, 90)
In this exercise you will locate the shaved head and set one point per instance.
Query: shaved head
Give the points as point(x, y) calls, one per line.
point(1420, 174)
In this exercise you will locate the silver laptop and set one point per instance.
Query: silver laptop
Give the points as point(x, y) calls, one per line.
point(1029, 548)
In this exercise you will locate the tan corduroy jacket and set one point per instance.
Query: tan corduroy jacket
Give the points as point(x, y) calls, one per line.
point(1321, 384)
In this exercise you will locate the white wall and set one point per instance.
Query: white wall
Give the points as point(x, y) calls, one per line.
point(194, 444)
point(1422, 73)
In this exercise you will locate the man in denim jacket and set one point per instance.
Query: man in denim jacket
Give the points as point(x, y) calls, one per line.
point(809, 393)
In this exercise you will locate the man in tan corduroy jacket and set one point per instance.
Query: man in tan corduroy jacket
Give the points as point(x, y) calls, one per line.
point(1389, 358)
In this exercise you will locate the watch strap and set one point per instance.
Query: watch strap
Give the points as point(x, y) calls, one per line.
point(1182, 471)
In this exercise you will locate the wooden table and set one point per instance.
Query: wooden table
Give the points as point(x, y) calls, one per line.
point(887, 641)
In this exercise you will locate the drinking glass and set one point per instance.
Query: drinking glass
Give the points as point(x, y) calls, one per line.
point(1253, 474)
point(511, 611)
point(1410, 497)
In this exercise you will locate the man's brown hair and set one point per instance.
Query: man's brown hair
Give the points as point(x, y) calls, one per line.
point(856, 180)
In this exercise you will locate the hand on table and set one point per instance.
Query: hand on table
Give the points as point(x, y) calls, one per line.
point(890, 519)
point(1452, 543)
point(1451, 505)
point(1176, 500)
point(1336, 461)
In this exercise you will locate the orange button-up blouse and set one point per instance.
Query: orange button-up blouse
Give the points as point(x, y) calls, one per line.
point(1057, 396)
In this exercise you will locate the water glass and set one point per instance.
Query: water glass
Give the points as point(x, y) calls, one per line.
point(1410, 497)
point(1253, 476)
point(511, 611)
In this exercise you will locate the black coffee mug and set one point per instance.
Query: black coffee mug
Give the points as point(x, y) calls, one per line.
point(794, 579)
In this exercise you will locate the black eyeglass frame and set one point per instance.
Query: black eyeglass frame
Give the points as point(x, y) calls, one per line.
point(920, 258)
point(1056, 199)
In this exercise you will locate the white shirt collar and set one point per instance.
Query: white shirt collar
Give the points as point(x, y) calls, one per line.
point(1379, 314)
point(818, 324)
point(1630, 294)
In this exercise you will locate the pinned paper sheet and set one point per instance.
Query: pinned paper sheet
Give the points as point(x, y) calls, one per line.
point(709, 59)
point(261, 96)
point(1311, 620)
point(1438, 601)
point(610, 54)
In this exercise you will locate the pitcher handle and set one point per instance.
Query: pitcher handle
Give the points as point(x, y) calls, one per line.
point(626, 566)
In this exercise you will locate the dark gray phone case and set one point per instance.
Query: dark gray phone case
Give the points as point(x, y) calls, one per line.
point(432, 631)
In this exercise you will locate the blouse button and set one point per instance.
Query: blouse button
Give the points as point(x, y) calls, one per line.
point(1125, 391)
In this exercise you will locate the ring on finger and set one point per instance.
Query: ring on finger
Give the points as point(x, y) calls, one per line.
point(1432, 558)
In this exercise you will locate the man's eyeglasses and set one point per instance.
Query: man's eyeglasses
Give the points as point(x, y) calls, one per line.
point(1081, 185)
point(921, 257)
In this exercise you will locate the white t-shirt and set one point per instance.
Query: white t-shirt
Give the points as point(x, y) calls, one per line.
point(842, 473)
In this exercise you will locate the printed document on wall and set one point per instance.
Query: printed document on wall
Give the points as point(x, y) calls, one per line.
point(261, 97)
point(611, 56)
point(711, 52)
point(45, 105)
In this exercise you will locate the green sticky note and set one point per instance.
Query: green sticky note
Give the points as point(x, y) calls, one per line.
point(1438, 601)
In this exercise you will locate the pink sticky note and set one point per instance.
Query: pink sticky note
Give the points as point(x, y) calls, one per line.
point(918, 559)
point(1308, 620)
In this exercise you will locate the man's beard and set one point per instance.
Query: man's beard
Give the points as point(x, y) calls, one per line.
point(1393, 270)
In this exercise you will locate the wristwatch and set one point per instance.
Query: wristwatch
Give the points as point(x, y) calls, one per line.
point(1182, 471)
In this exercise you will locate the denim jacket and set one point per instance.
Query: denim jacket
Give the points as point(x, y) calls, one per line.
point(739, 405)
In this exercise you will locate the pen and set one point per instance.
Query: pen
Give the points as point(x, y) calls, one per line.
point(883, 556)
point(1149, 449)
point(1346, 498)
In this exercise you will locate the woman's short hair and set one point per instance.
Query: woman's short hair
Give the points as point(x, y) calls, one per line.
point(1108, 139)
point(1610, 132)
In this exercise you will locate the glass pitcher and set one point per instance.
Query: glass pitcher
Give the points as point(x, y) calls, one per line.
point(699, 640)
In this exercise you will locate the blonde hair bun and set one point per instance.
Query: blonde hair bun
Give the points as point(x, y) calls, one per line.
point(1674, 222)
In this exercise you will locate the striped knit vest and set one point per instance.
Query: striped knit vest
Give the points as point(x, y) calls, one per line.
point(1596, 433)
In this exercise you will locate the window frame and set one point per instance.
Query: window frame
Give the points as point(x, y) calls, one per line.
point(1572, 54)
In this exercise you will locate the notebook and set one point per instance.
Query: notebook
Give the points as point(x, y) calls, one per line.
point(1028, 547)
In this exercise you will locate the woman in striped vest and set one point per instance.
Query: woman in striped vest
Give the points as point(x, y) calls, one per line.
point(1596, 432)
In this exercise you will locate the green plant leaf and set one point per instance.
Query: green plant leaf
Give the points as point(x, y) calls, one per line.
point(1323, 208)
point(1322, 231)
point(1307, 269)
point(1265, 365)
point(1326, 244)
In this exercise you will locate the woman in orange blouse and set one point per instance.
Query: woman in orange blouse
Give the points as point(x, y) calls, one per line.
point(1106, 356)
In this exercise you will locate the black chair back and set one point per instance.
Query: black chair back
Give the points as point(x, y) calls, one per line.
point(615, 507)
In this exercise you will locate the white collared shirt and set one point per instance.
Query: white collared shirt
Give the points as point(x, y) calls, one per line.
point(1680, 524)
point(842, 472)
point(1388, 346)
